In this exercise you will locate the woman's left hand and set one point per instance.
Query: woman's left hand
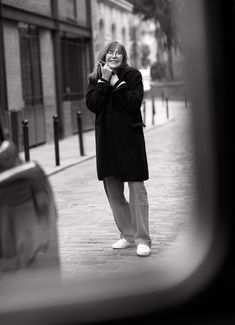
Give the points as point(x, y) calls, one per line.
point(113, 79)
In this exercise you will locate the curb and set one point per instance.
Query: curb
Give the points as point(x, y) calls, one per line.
point(62, 168)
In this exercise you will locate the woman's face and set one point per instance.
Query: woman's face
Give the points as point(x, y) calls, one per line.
point(114, 57)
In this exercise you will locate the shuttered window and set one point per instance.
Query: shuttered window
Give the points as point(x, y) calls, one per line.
point(30, 65)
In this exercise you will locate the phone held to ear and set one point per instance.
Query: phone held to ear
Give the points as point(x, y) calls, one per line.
point(99, 74)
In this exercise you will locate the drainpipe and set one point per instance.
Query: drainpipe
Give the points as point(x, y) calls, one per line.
point(90, 46)
point(57, 67)
point(3, 84)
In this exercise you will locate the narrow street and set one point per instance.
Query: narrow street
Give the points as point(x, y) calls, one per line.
point(86, 227)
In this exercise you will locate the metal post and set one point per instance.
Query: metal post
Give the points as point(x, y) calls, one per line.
point(25, 124)
point(56, 139)
point(80, 135)
point(167, 109)
point(58, 66)
point(186, 98)
point(162, 96)
point(153, 110)
point(144, 111)
point(3, 82)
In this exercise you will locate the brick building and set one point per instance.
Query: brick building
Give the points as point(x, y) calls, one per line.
point(45, 58)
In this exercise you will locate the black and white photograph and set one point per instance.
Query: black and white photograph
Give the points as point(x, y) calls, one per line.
point(116, 162)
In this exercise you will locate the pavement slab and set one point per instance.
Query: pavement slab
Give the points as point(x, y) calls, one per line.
point(86, 226)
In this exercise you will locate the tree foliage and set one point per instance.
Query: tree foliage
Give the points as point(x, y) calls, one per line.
point(163, 12)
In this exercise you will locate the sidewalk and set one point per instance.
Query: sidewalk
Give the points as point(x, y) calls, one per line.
point(69, 147)
point(87, 229)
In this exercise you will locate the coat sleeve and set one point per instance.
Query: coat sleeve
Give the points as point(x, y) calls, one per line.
point(96, 96)
point(130, 92)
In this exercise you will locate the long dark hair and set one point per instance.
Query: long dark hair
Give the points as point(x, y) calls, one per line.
point(102, 55)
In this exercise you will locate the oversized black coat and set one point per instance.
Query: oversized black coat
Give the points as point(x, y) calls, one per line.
point(120, 144)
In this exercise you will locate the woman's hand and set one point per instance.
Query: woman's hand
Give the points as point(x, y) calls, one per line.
point(106, 71)
point(113, 79)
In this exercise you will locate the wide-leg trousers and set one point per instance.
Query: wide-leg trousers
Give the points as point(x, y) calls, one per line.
point(131, 218)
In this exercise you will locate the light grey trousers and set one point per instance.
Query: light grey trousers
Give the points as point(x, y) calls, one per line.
point(132, 218)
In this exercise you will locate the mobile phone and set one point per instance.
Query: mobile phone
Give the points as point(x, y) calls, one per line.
point(99, 74)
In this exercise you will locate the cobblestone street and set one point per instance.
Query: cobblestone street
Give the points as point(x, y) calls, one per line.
point(86, 227)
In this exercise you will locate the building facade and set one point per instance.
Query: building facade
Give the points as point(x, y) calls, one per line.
point(45, 59)
point(114, 20)
point(47, 50)
point(111, 21)
point(149, 44)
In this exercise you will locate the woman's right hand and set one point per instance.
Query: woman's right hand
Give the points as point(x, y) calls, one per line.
point(106, 71)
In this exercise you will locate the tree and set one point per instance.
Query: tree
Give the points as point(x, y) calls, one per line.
point(164, 15)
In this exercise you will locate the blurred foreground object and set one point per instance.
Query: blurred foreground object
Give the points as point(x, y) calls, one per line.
point(27, 212)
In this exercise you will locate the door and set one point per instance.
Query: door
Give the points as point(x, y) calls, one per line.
point(76, 67)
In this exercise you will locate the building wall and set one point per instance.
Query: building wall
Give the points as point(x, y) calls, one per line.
point(48, 80)
point(110, 14)
point(81, 12)
point(147, 37)
point(67, 112)
point(13, 69)
point(106, 14)
point(75, 15)
point(14, 76)
point(39, 6)
point(68, 11)
point(13, 73)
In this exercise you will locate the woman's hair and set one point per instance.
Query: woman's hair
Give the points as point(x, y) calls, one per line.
point(102, 55)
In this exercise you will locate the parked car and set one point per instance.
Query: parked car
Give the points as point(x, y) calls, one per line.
point(28, 212)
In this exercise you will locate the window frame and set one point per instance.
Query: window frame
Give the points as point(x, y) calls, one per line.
point(31, 34)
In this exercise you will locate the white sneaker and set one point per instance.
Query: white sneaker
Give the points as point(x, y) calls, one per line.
point(122, 243)
point(143, 250)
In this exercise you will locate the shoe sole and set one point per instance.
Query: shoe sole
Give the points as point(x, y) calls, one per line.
point(123, 247)
point(141, 255)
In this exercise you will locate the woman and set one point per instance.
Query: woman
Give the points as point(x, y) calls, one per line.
point(115, 95)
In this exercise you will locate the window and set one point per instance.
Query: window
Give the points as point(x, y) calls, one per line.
point(30, 64)
point(114, 32)
point(101, 33)
point(74, 62)
point(133, 33)
point(124, 36)
point(71, 9)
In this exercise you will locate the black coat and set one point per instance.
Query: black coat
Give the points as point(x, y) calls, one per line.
point(120, 145)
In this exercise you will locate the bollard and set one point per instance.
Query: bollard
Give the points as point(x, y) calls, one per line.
point(25, 124)
point(56, 139)
point(186, 98)
point(144, 111)
point(162, 97)
point(80, 135)
point(153, 110)
point(167, 109)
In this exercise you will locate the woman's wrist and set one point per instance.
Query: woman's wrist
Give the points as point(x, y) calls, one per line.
point(105, 78)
